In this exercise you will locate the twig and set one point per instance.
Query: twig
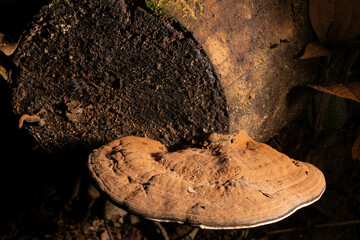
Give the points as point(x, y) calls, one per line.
point(323, 103)
point(320, 115)
point(162, 231)
point(354, 72)
point(350, 63)
point(342, 130)
point(107, 227)
point(325, 225)
point(190, 235)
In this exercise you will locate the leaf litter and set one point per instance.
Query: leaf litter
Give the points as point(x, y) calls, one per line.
point(349, 90)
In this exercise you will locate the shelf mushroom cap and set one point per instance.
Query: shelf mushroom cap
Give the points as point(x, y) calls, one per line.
point(231, 182)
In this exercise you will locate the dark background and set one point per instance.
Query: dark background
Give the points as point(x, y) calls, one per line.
point(35, 185)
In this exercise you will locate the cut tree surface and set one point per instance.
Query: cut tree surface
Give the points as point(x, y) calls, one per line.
point(230, 182)
point(94, 71)
point(98, 70)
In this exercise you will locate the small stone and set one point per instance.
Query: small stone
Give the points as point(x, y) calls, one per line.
point(190, 190)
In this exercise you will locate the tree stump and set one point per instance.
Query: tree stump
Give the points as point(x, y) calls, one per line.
point(96, 70)
point(253, 46)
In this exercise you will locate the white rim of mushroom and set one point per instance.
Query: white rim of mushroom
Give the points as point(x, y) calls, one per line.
point(233, 182)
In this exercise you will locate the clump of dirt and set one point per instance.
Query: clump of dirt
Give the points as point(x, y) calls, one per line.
point(98, 70)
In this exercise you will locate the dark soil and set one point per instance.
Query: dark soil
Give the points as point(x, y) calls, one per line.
point(99, 70)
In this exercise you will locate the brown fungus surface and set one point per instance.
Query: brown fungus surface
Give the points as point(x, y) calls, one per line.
point(231, 182)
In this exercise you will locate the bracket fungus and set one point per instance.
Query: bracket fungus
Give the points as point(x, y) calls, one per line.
point(231, 182)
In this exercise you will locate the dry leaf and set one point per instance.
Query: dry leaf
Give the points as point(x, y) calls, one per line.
point(349, 90)
point(7, 44)
point(3, 72)
point(315, 49)
point(321, 16)
point(356, 149)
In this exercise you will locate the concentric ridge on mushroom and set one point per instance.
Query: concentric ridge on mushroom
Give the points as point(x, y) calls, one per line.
point(231, 182)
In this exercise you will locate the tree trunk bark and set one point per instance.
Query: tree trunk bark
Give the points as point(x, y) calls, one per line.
point(253, 46)
point(88, 72)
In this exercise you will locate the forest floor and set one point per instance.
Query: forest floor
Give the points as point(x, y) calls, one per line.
point(36, 189)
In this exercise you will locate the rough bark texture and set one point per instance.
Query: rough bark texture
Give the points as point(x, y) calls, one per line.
point(97, 70)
